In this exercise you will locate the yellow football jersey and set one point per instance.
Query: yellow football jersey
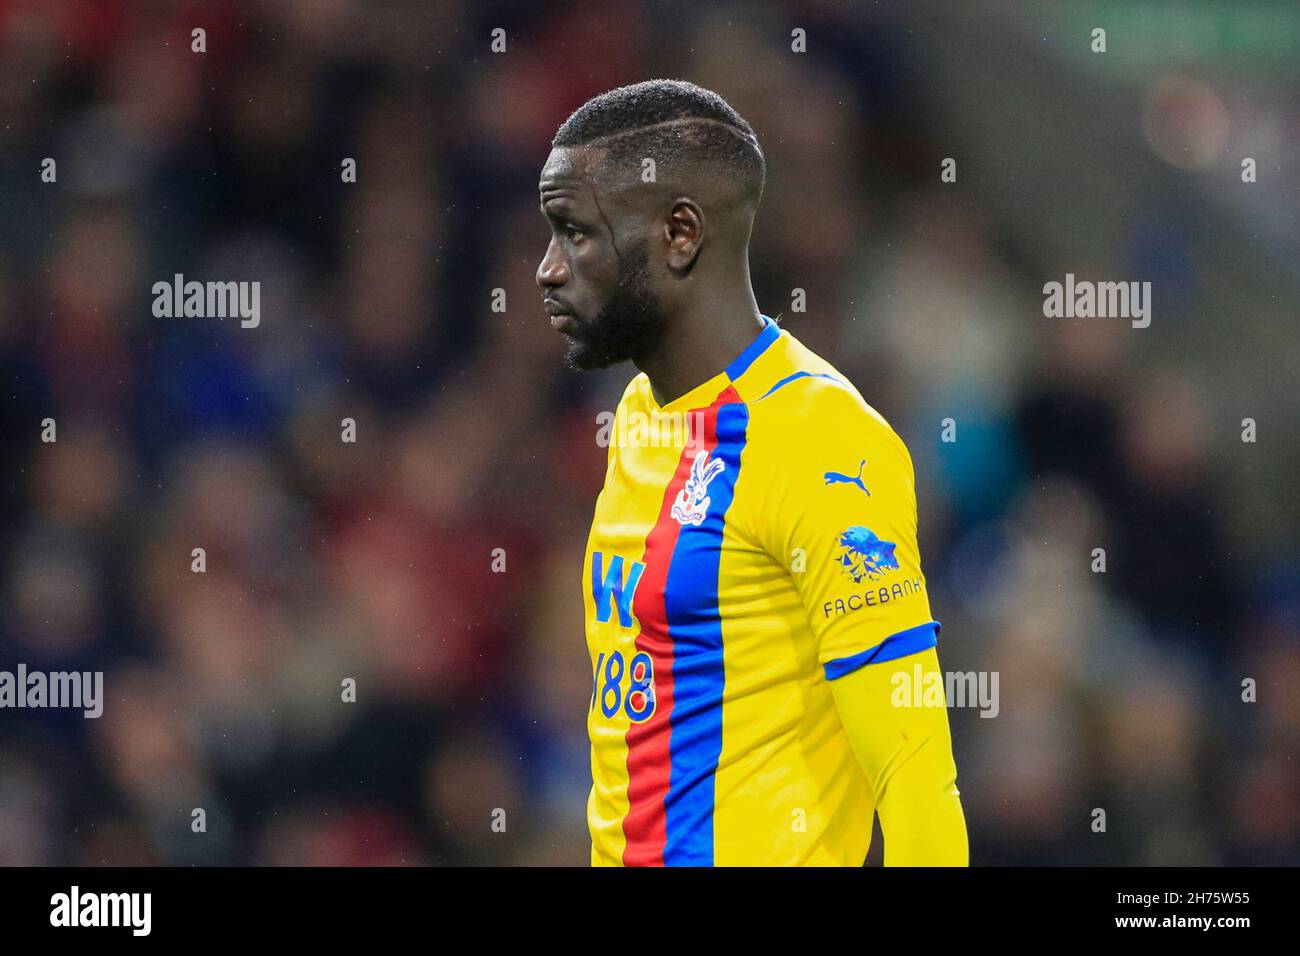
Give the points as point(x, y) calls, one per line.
point(755, 538)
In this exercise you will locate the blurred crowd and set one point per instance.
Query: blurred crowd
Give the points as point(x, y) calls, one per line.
point(374, 560)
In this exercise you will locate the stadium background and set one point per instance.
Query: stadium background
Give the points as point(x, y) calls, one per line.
point(326, 560)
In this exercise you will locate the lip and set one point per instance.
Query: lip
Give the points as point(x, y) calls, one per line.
point(560, 316)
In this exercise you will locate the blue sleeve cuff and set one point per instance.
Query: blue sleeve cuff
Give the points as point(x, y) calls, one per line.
point(914, 639)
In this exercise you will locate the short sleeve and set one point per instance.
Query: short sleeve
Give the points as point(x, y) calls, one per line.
point(841, 518)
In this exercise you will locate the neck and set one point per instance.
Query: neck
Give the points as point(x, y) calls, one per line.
point(700, 341)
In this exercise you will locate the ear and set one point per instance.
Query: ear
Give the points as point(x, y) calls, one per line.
point(684, 231)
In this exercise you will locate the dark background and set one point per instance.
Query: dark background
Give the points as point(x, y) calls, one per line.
point(372, 560)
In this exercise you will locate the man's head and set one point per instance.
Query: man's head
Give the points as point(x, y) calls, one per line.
point(651, 191)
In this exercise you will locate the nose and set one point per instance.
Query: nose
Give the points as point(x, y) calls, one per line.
point(553, 270)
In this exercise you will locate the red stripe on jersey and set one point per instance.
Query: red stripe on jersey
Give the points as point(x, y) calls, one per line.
point(649, 761)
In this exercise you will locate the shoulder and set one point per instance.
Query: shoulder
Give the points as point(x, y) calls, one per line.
point(815, 412)
point(792, 382)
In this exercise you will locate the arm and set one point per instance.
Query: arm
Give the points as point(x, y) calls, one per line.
point(906, 753)
point(859, 578)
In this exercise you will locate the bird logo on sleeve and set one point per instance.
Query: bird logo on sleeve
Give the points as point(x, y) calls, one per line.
point(865, 555)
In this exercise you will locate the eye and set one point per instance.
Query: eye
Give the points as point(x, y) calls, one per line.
point(574, 232)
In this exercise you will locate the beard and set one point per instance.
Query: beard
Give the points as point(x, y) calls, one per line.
point(630, 325)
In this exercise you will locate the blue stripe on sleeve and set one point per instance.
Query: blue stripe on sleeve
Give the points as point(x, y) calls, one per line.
point(906, 642)
point(798, 375)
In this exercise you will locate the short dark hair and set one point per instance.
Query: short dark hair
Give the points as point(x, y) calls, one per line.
point(676, 123)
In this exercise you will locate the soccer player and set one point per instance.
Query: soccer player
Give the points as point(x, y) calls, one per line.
point(756, 613)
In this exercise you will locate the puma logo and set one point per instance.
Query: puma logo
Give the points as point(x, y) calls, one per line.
point(835, 478)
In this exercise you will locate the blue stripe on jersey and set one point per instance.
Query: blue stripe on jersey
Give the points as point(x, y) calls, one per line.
point(790, 378)
point(771, 332)
point(906, 642)
point(695, 628)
